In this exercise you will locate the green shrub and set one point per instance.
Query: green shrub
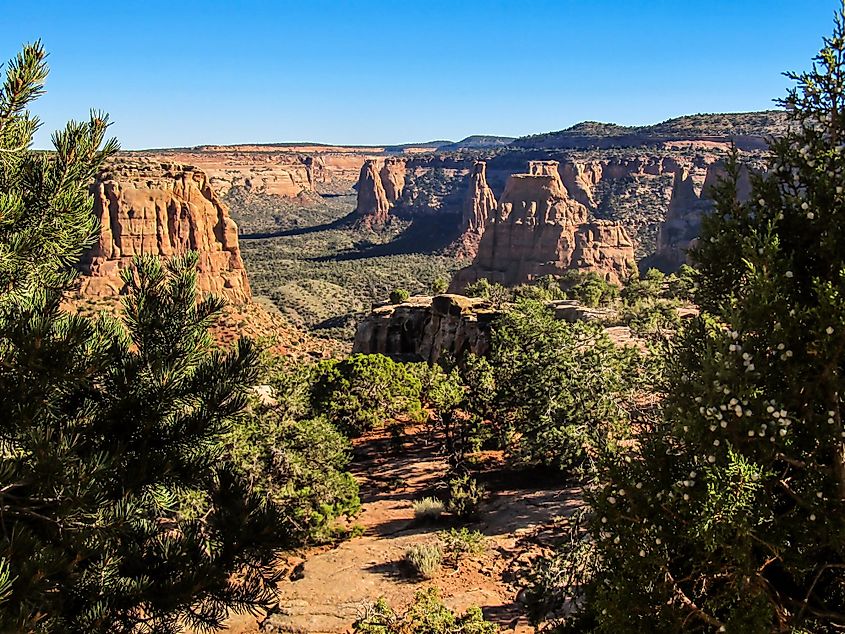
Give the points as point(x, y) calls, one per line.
point(399, 295)
point(424, 559)
point(439, 285)
point(561, 390)
point(427, 615)
point(588, 288)
point(295, 460)
point(463, 541)
point(465, 496)
point(428, 509)
point(727, 514)
point(359, 393)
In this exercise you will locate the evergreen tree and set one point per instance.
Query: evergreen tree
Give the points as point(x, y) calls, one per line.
point(729, 515)
point(117, 513)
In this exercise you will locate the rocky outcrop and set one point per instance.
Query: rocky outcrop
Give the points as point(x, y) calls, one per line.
point(692, 199)
point(426, 328)
point(380, 184)
point(480, 201)
point(165, 209)
point(538, 229)
point(372, 206)
point(479, 204)
point(392, 175)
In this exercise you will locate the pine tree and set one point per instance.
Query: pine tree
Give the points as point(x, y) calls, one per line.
point(729, 515)
point(118, 512)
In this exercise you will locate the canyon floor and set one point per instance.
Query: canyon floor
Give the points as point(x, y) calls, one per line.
point(326, 589)
point(321, 271)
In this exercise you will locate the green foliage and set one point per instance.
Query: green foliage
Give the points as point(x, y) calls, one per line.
point(589, 288)
point(360, 392)
point(399, 295)
point(561, 389)
point(294, 459)
point(428, 509)
point(119, 511)
point(427, 615)
point(495, 292)
point(729, 512)
point(462, 541)
point(439, 285)
point(465, 496)
point(424, 559)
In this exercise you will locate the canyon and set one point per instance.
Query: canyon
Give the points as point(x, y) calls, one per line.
point(328, 231)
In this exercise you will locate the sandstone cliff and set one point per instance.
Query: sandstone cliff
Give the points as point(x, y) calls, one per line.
point(372, 206)
point(146, 207)
point(479, 203)
point(538, 229)
point(426, 328)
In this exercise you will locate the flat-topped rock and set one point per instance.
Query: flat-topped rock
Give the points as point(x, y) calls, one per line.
point(165, 209)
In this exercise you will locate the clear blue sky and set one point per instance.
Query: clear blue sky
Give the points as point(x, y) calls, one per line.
point(184, 72)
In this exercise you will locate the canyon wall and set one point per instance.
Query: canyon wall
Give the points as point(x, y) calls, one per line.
point(165, 209)
point(538, 229)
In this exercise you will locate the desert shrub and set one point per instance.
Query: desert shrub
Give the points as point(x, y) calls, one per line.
point(648, 318)
point(465, 496)
point(462, 431)
point(424, 559)
point(479, 288)
point(399, 295)
point(495, 292)
point(561, 390)
point(428, 509)
point(294, 459)
point(728, 514)
point(683, 284)
point(427, 615)
point(439, 285)
point(360, 392)
point(589, 288)
point(462, 541)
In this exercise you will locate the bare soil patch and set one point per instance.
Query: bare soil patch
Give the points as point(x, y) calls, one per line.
point(326, 589)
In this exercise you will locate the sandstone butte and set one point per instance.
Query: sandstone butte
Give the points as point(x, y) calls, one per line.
point(165, 209)
point(538, 229)
point(380, 185)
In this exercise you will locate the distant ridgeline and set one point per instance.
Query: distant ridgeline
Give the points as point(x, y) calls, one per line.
point(630, 189)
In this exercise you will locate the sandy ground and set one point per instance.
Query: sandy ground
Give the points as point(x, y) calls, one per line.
point(327, 589)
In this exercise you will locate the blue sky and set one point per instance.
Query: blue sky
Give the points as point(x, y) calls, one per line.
point(369, 72)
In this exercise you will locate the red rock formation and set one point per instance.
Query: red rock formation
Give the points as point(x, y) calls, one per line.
point(538, 229)
point(392, 176)
point(479, 203)
point(166, 209)
point(373, 206)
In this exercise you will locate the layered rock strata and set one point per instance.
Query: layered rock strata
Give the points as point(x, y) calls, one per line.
point(537, 229)
point(164, 209)
point(426, 328)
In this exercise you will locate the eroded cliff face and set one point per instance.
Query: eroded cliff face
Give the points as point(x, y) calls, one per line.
point(372, 207)
point(165, 209)
point(537, 229)
point(479, 204)
point(426, 328)
point(691, 200)
point(381, 184)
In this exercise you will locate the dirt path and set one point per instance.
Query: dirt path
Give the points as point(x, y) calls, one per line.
point(327, 589)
